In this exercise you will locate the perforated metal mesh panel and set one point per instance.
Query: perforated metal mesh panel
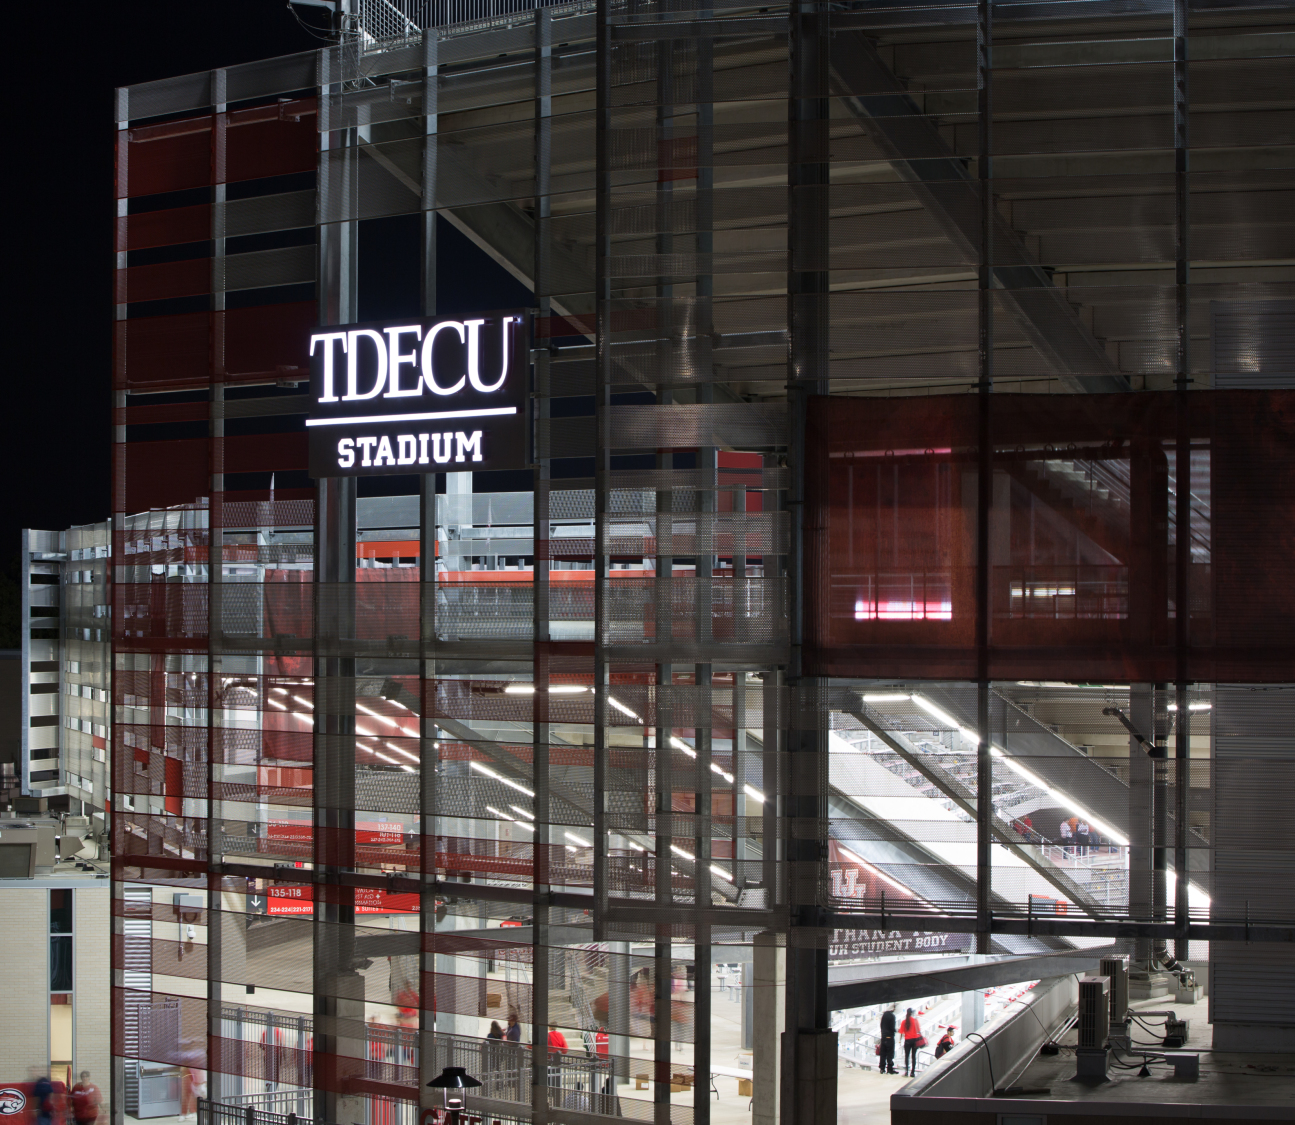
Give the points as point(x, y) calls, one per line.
point(878, 483)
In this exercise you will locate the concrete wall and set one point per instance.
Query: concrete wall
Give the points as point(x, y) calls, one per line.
point(1012, 1043)
point(24, 980)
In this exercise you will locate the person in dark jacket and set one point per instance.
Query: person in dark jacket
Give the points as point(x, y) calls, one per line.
point(42, 1096)
point(514, 1032)
point(887, 1056)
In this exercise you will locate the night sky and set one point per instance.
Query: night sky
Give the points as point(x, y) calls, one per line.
point(59, 257)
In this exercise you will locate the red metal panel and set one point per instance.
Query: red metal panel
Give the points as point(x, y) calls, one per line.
point(159, 474)
point(149, 616)
point(168, 157)
point(267, 340)
point(258, 147)
point(164, 228)
point(1081, 545)
point(891, 526)
point(167, 279)
point(163, 412)
point(161, 351)
point(252, 453)
point(1252, 494)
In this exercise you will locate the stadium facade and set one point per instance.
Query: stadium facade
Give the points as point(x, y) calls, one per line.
point(898, 466)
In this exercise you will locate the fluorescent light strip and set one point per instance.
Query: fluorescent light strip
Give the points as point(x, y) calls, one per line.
point(622, 708)
point(1063, 798)
point(944, 717)
point(721, 872)
point(398, 750)
point(522, 811)
point(576, 840)
point(679, 744)
point(886, 697)
point(1069, 802)
point(555, 689)
point(752, 792)
point(1193, 706)
point(496, 777)
point(276, 703)
point(365, 419)
point(303, 702)
point(377, 715)
point(511, 819)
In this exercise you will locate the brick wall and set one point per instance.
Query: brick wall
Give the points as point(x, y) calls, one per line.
point(24, 981)
point(92, 974)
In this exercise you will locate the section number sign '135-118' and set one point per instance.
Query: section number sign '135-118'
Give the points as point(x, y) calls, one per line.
point(419, 396)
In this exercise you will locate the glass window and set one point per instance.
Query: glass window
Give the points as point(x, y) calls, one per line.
point(60, 963)
point(60, 912)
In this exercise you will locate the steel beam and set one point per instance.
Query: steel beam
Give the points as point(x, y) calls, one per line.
point(915, 981)
point(1260, 931)
point(941, 181)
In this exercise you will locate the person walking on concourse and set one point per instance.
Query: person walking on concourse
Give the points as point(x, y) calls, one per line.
point(911, 1032)
point(887, 1044)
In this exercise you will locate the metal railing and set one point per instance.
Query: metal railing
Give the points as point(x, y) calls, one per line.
point(278, 1060)
point(286, 1101)
point(225, 1113)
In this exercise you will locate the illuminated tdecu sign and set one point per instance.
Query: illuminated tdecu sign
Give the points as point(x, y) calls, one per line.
point(419, 396)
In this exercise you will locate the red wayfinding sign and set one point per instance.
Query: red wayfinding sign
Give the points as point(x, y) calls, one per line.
point(370, 833)
point(296, 898)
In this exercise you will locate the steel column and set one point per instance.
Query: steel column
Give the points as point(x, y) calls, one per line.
point(1182, 473)
point(808, 1092)
point(985, 472)
point(338, 988)
point(428, 747)
point(540, 540)
point(215, 582)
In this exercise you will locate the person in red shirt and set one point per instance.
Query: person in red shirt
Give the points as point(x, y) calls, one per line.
point(601, 1043)
point(911, 1033)
point(557, 1041)
point(85, 1100)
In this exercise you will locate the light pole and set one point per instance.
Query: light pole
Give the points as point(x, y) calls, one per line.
point(452, 1081)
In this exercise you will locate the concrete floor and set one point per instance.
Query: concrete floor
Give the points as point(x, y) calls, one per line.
point(863, 1096)
point(1225, 1079)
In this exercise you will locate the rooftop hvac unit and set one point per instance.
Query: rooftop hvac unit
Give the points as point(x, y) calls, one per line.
point(1091, 1056)
point(1094, 1011)
point(1117, 969)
